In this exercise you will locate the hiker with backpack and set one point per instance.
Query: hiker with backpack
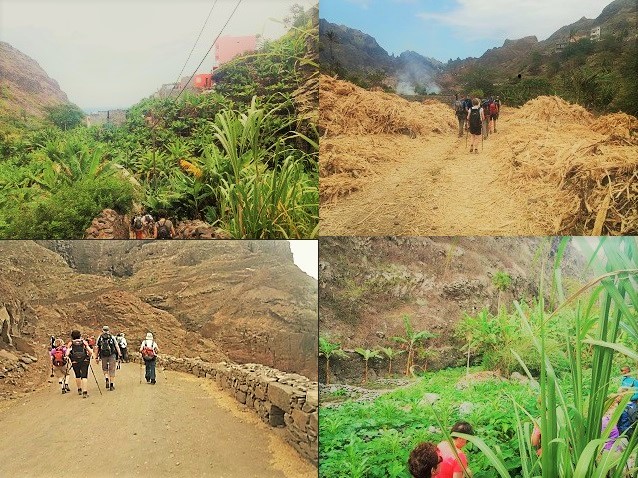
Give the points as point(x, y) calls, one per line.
point(108, 351)
point(137, 228)
point(60, 364)
point(461, 114)
point(485, 105)
point(149, 352)
point(475, 120)
point(79, 353)
point(121, 341)
point(164, 229)
point(497, 110)
point(493, 108)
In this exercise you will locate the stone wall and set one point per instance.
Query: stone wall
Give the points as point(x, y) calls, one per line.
point(281, 399)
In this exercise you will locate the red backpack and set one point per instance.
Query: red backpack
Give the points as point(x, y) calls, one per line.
point(148, 353)
point(58, 357)
point(493, 108)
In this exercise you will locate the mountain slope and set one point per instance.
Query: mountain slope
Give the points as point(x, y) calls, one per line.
point(240, 300)
point(25, 88)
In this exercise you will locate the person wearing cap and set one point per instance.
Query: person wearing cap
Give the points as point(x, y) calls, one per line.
point(149, 352)
point(108, 351)
point(627, 382)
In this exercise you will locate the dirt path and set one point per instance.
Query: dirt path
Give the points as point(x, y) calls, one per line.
point(183, 426)
point(443, 190)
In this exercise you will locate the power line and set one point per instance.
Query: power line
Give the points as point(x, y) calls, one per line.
point(209, 50)
point(197, 40)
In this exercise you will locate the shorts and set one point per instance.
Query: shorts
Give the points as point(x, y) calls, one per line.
point(495, 117)
point(475, 130)
point(81, 369)
point(108, 364)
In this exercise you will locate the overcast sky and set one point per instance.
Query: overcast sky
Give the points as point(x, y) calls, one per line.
point(113, 53)
point(445, 29)
point(306, 256)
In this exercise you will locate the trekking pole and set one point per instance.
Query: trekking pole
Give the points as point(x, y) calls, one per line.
point(51, 370)
point(140, 373)
point(66, 373)
point(98, 385)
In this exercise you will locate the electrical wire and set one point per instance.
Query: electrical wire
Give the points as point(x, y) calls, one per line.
point(209, 50)
point(196, 41)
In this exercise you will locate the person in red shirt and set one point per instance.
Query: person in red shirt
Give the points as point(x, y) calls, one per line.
point(451, 466)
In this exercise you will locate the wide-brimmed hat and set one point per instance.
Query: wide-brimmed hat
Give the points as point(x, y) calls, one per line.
point(149, 336)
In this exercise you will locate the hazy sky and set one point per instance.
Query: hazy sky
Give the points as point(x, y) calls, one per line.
point(306, 256)
point(113, 53)
point(445, 29)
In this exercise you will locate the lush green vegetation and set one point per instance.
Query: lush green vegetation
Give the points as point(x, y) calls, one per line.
point(243, 158)
point(571, 354)
point(598, 75)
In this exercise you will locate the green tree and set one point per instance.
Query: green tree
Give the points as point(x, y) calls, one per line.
point(66, 116)
point(367, 354)
point(328, 350)
point(411, 339)
point(391, 354)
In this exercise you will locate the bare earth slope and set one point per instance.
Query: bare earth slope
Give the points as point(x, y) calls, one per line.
point(183, 426)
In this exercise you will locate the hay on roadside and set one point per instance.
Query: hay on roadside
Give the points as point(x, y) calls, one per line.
point(553, 109)
point(588, 172)
point(348, 109)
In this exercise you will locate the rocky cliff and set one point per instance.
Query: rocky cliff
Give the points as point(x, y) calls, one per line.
point(367, 284)
point(25, 88)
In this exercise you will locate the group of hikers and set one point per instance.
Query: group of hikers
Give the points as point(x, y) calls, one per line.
point(428, 460)
point(110, 349)
point(478, 117)
point(144, 226)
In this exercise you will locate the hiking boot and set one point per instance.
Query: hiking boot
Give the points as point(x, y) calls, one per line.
point(152, 382)
point(66, 387)
point(79, 391)
point(112, 387)
point(148, 380)
point(63, 390)
point(85, 394)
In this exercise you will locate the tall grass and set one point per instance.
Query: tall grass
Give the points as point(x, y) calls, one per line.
point(571, 437)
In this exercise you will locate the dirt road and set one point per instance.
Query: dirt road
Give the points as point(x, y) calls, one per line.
point(183, 426)
point(442, 190)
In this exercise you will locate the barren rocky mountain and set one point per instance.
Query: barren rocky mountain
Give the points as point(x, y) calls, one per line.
point(368, 284)
point(24, 86)
point(244, 301)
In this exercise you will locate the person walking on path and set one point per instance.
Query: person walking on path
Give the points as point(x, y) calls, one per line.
point(494, 110)
point(475, 119)
point(60, 364)
point(461, 115)
point(121, 341)
point(164, 229)
point(451, 466)
point(108, 351)
point(80, 355)
point(149, 352)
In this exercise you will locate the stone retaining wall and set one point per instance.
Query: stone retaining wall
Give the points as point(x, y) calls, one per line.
point(281, 399)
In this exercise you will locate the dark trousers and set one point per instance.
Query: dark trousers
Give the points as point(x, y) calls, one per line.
point(150, 370)
point(124, 351)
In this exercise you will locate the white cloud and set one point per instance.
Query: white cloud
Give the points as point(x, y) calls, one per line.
point(361, 3)
point(501, 19)
point(115, 52)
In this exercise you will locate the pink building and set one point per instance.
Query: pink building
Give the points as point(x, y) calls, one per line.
point(227, 47)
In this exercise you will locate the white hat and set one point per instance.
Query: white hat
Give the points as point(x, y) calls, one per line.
point(105, 328)
point(149, 336)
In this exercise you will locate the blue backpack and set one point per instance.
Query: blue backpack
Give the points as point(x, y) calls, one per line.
point(628, 419)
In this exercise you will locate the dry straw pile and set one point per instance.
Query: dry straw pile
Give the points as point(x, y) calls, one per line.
point(585, 167)
point(363, 128)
